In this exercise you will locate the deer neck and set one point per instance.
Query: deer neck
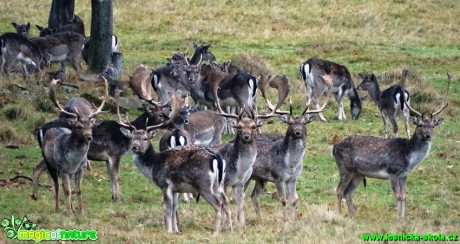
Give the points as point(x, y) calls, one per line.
point(145, 162)
point(294, 147)
point(418, 150)
point(375, 93)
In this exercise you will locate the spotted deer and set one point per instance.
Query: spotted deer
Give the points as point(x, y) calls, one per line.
point(182, 170)
point(358, 157)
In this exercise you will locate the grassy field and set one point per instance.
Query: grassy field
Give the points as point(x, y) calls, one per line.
point(366, 36)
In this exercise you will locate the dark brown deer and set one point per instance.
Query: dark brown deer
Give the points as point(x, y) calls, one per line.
point(182, 170)
point(73, 25)
point(65, 151)
point(281, 161)
point(358, 157)
point(22, 29)
point(313, 71)
point(391, 102)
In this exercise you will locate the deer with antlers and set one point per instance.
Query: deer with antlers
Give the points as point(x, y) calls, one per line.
point(65, 150)
point(358, 157)
point(281, 161)
point(181, 170)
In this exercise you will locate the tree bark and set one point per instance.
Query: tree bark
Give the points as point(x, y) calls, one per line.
point(61, 13)
point(100, 50)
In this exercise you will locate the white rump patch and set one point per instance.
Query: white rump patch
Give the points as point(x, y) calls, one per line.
point(155, 81)
point(172, 142)
point(182, 140)
point(115, 43)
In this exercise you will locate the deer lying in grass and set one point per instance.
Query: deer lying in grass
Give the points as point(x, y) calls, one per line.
point(181, 170)
point(280, 161)
point(313, 70)
point(358, 157)
point(65, 151)
point(108, 143)
point(15, 48)
point(240, 155)
point(391, 102)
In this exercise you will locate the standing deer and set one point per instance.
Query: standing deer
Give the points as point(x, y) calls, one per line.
point(108, 144)
point(240, 155)
point(65, 151)
point(14, 47)
point(22, 29)
point(313, 71)
point(391, 102)
point(358, 157)
point(182, 170)
point(280, 161)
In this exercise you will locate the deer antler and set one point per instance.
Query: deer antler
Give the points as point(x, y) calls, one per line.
point(106, 96)
point(120, 121)
point(176, 103)
point(52, 95)
point(444, 104)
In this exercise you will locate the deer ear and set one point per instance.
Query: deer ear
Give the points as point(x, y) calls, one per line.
point(151, 134)
point(438, 121)
point(308, 119)
point(284, 118)
point(361, 75)
point(14, 25)
point(259, 123)
point(414, 120)
point(125, 132)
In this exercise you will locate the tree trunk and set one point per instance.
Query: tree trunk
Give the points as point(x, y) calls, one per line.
point(100, 50)
point(61, 13)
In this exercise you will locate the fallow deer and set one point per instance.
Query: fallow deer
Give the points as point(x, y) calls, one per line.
point(278, 82)
point(182, 170)
point(358, 157)
point(281, 161)
point(391, 102)
point(13, 48)
point(313, 71)
point(65, 151)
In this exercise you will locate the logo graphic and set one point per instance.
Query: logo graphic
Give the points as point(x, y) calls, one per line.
point(23, 229)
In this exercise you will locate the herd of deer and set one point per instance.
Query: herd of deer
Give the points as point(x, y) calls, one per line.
point(192, 158)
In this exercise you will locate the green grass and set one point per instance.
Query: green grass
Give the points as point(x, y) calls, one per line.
point(366, 36)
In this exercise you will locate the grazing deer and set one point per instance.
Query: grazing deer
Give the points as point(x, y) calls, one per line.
point(240, 155)
point(280, 161)
point(181, 170)
point(391, 102)
point(65, 151)
point(109, 144)
point(14, 48)
point(358, 157)
point(61, 47)
point(313, 71)
point(278, 82)
point(22, 29)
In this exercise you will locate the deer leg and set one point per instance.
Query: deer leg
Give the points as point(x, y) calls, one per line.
point(217, 204)
point(282, 195)
point(348, 194)
point(174, 219)
point(238, 195)
point(345, 179)
point(338, 99)
point(78, 178)
point(38, 170)
point(385, 123)
point(395, 186)
point(402, 185)
point(54, 176)
point(258, 189)
point(67, 192)
point(394, 124)
point(293, 197)
point(113, 168)
point(167, 208)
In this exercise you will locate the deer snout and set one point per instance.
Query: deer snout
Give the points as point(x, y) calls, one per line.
point(134, 147)
point(246, 137)
point(186, 121)
point(89, 138)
